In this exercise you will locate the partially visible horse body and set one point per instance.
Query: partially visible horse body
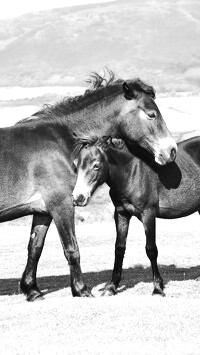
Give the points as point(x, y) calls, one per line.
point(141, 188)
point(36, 163)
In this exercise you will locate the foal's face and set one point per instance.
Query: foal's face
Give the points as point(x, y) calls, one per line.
point(155, 137)
point(91, 172)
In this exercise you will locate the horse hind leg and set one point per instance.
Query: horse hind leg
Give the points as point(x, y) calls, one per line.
point(148, 220)
point(28, 282)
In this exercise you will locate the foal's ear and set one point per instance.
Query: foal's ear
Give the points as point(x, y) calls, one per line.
point(129, 94)
point(75, 163)
point(106, 142)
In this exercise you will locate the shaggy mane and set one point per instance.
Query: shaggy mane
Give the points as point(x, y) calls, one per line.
point(101, 87)
point(103, 142)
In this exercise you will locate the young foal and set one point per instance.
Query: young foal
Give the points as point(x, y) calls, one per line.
point(141, 188)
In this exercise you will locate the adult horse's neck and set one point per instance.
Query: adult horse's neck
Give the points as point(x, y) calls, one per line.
point(99, 119)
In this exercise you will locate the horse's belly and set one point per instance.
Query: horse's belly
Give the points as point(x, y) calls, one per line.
point(35, 204)
point(178, 206)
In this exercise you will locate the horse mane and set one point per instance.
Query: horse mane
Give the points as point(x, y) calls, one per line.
point(83, 142)
point(27, 119)
point(101, 87)
point(97, 81)
point(87, 142)
point(103, 142)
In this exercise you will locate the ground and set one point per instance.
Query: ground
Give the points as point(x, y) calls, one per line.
point(132, 322)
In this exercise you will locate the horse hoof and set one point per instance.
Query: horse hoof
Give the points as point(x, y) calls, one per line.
point(87, 294)
point(158, 292)
point(109, 292)
point(35, 296)
point(82, 293)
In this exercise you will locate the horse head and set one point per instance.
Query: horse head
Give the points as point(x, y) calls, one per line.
point(92, 169)
point(150, 130)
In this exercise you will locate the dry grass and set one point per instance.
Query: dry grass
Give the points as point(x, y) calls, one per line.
point(133, 322)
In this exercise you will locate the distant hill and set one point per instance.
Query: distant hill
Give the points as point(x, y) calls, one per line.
point(153, 39)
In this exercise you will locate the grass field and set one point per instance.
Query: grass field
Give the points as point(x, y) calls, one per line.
point(133, 321)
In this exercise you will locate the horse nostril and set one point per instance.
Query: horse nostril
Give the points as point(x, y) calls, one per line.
point(79, 199)
point(173, 154)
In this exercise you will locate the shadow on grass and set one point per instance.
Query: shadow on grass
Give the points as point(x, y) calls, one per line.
point(130, 278)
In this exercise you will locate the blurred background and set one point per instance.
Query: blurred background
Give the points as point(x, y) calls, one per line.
point(156, 40)
point(49, 48)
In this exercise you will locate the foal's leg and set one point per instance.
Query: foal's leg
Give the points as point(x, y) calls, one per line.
point(122, 220)
point(28, 282)
point(63, 215)
point(149, 223)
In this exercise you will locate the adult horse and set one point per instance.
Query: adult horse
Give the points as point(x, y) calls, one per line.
point(141, 188)
point(36, 162)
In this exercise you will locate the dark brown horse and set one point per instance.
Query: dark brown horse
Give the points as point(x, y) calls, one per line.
point(36, 162)
point(141, 188)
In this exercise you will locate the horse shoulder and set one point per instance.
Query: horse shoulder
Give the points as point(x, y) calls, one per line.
point(136, 189)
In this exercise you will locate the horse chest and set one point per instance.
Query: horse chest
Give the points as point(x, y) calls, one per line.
point(135, 198)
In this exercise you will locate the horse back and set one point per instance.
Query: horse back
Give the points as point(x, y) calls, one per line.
point(192, 148)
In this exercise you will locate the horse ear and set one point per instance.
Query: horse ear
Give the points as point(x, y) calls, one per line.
point(106, 142)
point(129, 94)
point(109, 140)
point(75, 164)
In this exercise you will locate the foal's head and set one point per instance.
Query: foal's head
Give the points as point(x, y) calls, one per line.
point(92, 169)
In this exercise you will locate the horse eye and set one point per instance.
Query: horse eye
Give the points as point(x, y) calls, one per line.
point(96, 166)
point(152, 115)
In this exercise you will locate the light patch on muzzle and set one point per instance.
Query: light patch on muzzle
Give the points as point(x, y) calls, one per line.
point(82, 191)
point(165, 151)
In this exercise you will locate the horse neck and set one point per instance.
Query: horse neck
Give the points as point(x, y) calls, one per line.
point(119, 151)
point(99, 119)
point(119, 160)
point(128, 162)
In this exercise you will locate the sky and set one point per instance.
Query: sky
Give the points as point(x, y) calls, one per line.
point(14, 8)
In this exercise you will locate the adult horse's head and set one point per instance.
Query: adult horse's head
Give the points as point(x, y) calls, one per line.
point(149, 128)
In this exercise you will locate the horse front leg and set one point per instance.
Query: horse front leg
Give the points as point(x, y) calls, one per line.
point(28, 284)
point(63, 216)
point(122, 219)
point(149, 223)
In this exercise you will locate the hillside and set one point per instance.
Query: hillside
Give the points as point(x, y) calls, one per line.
point(156, 40)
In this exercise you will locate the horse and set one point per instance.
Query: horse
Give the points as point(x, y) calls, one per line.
point(37, 174)
point(139, 187)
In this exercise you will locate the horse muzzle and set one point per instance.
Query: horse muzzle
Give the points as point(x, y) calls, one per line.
point(165, 152)
point(163, 157)
point(81, 200)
